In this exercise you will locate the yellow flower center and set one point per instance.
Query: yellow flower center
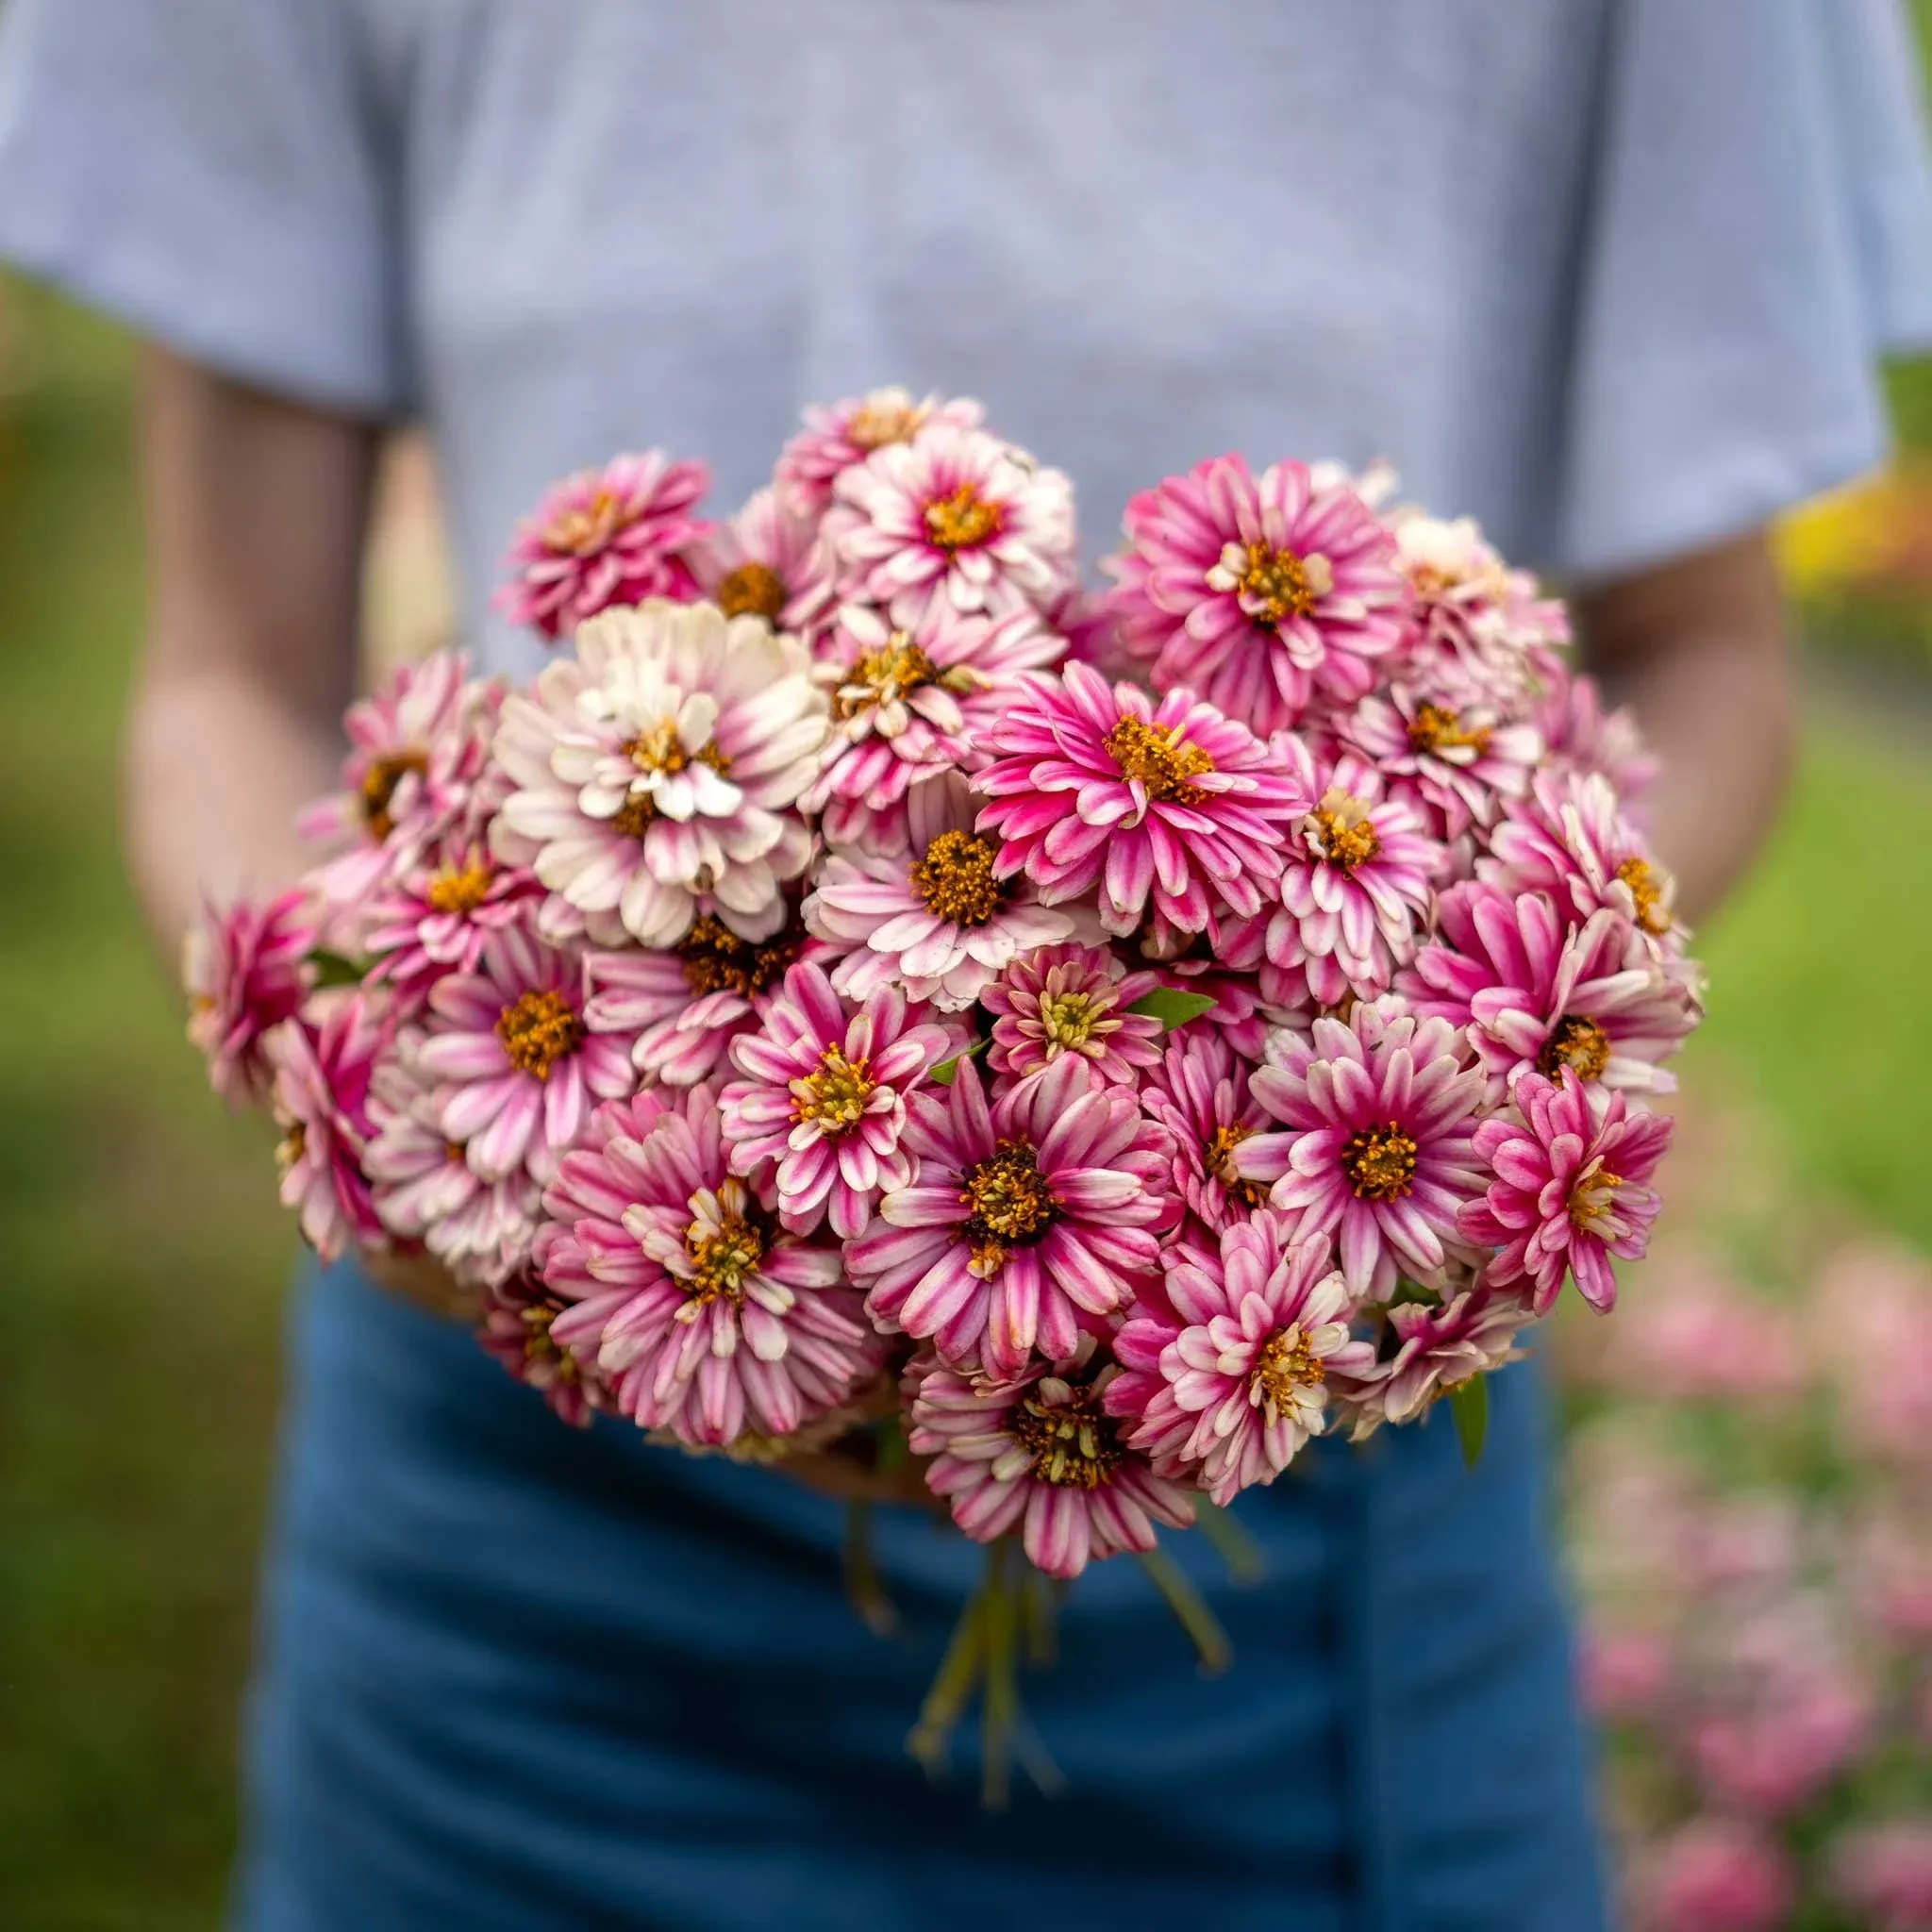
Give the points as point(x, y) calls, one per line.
point(541, 1029)
point(963, 520)
point(290, 1149)
point(1074, 1444)
point(1436, 729)
point(1593, 1196)
point(1161, 763)
point(1068, 1019)
point(459, 888)
point(1380, 1163)
point(897, 667)
point(715, 959)
point(1647, 889)
point(752, 590)
point(379, 782)
point(539, 1347)
point(660, 750)
point(1276, 585)
point(1283, 1364)
point(1575, 1042)
point(833, 1099)
point(1217, 1155)
point(955, 878)
point(876, 425)
point(1011, 1203)
point(727, 1247)
point(1341, 831)
point(584, 531)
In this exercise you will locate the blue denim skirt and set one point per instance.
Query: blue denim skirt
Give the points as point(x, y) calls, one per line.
point(515, 1675)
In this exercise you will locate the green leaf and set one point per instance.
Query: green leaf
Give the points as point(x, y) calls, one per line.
point(948, 1071)
point(1470, 1404)
point(333, 969)
point(1173, 1007)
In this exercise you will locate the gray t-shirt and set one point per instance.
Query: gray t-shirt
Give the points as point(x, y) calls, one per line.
point(1609, 274)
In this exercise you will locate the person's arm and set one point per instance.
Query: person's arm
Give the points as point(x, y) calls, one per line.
point(255, 511)
point(1698, 648)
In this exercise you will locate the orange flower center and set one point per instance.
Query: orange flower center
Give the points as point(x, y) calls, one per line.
point(1380, 1163)
point(1647, 889)
point(876, 425)
point(540, 1029)
point(752, 590)
point(386, 771)
point(1074, 1444)
point(726, 1242)
point(1593, 1197)
point(459, 888)
point(1283, 1364)
point(584, 531)
point(1011, 1205)
point(1436, 729)
point(1217, 1155)
point(955, 878)
point(715, 959)
point(833, 1099)
point(1341, 833)
point(1575, 1042)
point(1276, 585)
point(897, 667)
point(1162, 762)
point(964, 520)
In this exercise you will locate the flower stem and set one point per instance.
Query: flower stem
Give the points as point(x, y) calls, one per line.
point(1246, 1564)
point(1000, 1707)
point(952, 1688)
point(1040, 1603)
point(863, 1589)
point(1189, 1610)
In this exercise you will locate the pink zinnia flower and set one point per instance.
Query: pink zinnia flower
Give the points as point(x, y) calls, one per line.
point(1024, 1218)
point(1171, 808)
point(1227, 1381)
point(1716, 1875)
point(1884, 1873)
point(1039, 1453)
point(424, 1190)
point(1258, 593)
point(1625, 1672)
point(936, 919)
point(822, 1094)
point(657, 769)
point(1356, 887)
point(246, 970)
point(1249, 999)
point(1198, 1091)
point(322, 1063)
point(704, 1316)
point(1456, 762)
point(518, 1063)
point(419, 745)
point(1537, 993)
point(954, 516)
point(1070, 999)
point(1379, 1144)
point(433, 914)
point(908, 703)
point(604, 536)
point(686, 1006)
point(767, 561)
point(1583, 737)
point(836, 439)
point(1568, 1187)
point(517, 1318)
point(1431, 1349)
point(1567, 839)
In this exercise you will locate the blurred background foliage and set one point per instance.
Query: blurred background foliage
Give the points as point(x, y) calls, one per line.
point(139, 1328)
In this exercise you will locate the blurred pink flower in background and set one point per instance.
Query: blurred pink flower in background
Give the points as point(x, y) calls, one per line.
point(1717, 1874)
point(1885, 1872)
point(1690, 1333)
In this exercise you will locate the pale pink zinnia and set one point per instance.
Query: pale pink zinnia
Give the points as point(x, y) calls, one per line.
point(246, 970)
point(908, 703)
point(657, 773)
point(1170, 808)
point(322, 1063)
point(837, 436)
point(936, 919)
point(1568, 1187)
point(1534, 991)
point(1258, 593)
point(1040, 1454)
point(1377, 1147)
point(704, 1316)
point(1356, 884)
point(1227, 1381)
point(1457, 760)
point(822, 1093)
point(1070, 999)
point(517, 1063)
point(954, 516)
point(1198, 1091)
point(1027, 1219)
point(687, 1004)
point(433, 914)
point(1432, 1348)
point(766, 561)
point(606, 537)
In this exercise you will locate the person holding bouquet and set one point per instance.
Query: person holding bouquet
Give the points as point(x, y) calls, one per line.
point(1610, 275)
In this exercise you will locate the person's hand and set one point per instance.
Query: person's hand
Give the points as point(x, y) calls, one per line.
point(423, 1279)
point(849, 1472)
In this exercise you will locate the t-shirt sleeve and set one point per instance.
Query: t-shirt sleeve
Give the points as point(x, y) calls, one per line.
point(215, 172)
point(1758, 233)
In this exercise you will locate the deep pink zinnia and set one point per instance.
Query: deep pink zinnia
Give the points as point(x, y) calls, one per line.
point(1227, 1380)
point(323, 1062)
point(1536, 993)
point(766, 561)
point(1258, 593)
point(838, 436)
point(515, 1329)
point(1168, 808)
point(1070, 999)
point(1039, 1453)
point(1355, 886)
point(1025, 1218)
point(1568, 1187)
point(1377, 1147)
point(906, 705)
point(246, 970)
point(704, 1316)
point(1718, 1874)
point(519, 1061)
point(822, 1094)
point(433, 914)
point(1455, 760)
point(604, 536)
point(1433, 1348)
point(1198, 1091)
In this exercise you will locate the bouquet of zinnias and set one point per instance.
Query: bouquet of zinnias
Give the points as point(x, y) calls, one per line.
point(868, 986)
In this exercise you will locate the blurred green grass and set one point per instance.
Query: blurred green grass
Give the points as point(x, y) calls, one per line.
point(139, 1332)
